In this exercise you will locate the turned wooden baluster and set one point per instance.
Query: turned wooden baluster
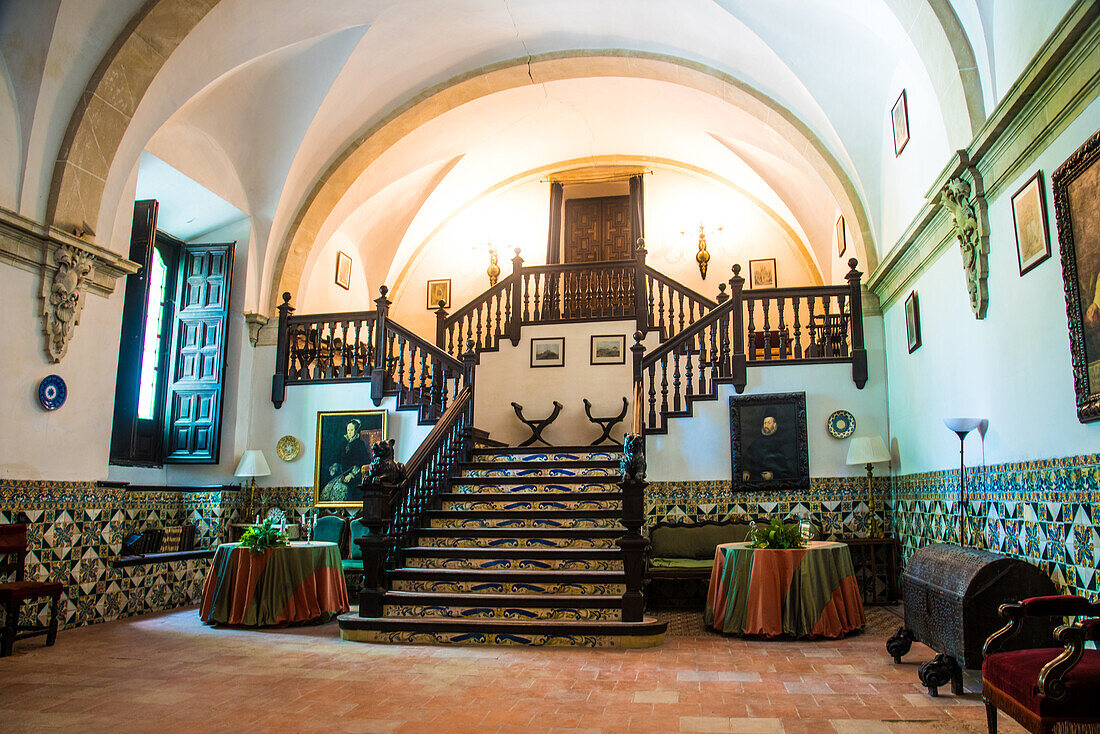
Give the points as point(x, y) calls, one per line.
point(797, 330)
point(652, 420)
point(740, 376)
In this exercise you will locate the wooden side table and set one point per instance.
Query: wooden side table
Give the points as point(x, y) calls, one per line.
point(876, 566)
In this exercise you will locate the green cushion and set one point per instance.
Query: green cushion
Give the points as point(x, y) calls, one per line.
point(680, 563)
point(352, 565)
point(329, 529)
point(694, 540)
point(358, 530)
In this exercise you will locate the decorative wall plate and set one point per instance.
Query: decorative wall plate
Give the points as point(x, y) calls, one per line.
point(287, 448)
point(52, 392)
point(840, 424)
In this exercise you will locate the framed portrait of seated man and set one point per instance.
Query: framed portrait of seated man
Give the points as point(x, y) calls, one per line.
point(768, 443)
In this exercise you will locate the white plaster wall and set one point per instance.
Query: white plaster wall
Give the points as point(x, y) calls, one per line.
point(322, 295)
point(698, 448)
point(1012, 368)
point(506, 376)
point(72, 442)
point(1015, 29)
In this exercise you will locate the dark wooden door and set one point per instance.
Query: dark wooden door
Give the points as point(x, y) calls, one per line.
point(597, 229)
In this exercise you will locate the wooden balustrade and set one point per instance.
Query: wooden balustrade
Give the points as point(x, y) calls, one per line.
point(820, 324)
point(365, 346)
point(484, 319)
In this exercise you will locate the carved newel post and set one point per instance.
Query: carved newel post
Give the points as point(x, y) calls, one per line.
point(381, 489)
point(633, 543)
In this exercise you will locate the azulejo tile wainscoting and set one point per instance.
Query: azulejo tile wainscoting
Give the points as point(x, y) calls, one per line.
point(76, 529)
point(1044, 512)
point(838, 505)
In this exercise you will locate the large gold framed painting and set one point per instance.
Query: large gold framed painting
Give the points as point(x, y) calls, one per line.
point(1076, 187)
point(344, 441)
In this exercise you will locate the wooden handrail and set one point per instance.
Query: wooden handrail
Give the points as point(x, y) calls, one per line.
point(314, 318)
point(423, 344)
point(435, 437)
point(678, 286)
point(687, 334)
point(479, 300)
point(568, 267)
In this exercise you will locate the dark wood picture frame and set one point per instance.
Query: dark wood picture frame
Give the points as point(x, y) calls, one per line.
point(543, 352)
point(759, 271)
point(343, 270)
point(912, 322)
point(332, 485)
point(439, 290)
point(841, 237)
point(899, 121)
point(607, 349)
point(779, 460)
point(1029, 219)
point(1076, 189)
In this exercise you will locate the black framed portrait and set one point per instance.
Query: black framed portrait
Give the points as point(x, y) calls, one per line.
point(768, 443)
point(344, 440)
point(1076, 188)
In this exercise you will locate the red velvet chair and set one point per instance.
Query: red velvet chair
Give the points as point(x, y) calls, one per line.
point(13, 552)
point(1046, 689)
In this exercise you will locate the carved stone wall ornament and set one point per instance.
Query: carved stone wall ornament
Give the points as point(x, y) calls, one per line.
point(970, 226)
point(63, 297)
point(255, 321)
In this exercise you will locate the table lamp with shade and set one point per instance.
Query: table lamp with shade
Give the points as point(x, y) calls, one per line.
point(253, 464)
point(869, 450)
point(962, 427)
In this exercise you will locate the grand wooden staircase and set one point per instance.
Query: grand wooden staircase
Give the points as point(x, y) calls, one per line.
point(522, 551)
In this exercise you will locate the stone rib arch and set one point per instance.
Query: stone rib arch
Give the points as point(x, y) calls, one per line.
point(357, 156)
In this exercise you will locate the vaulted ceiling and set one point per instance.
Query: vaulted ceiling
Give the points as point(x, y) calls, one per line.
point(379, 119)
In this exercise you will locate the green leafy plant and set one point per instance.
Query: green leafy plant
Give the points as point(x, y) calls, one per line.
point(265, 535)
point(776, 534)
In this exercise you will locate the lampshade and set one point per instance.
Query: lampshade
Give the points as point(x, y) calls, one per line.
point(867, 450)
point(253, 464)
point(962, 425)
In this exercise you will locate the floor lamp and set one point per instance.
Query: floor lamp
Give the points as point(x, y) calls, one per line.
point(253, 464)
point(962, 427)
point(869, 450)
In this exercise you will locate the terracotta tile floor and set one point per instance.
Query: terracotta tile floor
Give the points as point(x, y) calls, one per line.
point(169, 673)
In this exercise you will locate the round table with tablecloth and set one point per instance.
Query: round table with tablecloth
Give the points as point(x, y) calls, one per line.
point(302, 582)
point(802, 592)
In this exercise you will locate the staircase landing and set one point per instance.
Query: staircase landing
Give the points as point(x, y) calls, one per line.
point(521, 552)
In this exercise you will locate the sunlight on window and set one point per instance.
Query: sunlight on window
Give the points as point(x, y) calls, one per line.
point(150, 348)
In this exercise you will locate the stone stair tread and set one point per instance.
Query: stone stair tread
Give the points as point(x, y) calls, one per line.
point(548, 464)
point(648, 626)
point(502, 600)
point(533, 553)
point(528, 496)
point(609, 448)
point(409, 572)
point(612, 479)
point(534, 514)
point(513, 532)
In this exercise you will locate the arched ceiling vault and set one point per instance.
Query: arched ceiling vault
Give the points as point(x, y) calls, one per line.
point(758, 59)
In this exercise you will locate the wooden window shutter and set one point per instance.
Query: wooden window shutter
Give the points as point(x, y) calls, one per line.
point(192, 423)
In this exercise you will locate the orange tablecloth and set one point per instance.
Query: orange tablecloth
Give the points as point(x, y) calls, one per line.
point(299, 583)
point(806, 592)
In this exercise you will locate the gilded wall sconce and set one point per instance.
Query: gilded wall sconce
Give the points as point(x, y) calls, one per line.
point(702, 256)
point(494, 266)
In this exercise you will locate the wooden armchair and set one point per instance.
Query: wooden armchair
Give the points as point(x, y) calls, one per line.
point(1047, 689)
point(13, 554)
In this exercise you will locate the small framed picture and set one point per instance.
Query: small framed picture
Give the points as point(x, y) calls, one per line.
point(899, 116)
point(548, 352)
point(343, 270)
point(762, 273)
point(841, 240)
point(912, 322)
point(608, 349)
point(1029, 214)
point(439, 290)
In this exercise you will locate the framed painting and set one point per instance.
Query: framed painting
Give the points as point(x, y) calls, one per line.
point(343, 270)
point(608, 349)
point(841, 240)
point(548, 352)
point(912, 322)
point(769, 450)
point(439, 290)
point(1029, 215)
point(899, 116)
point(1076, 189)
point(762, 273)
point(344, 440)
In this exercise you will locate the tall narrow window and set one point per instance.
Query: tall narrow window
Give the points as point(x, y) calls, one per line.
point(168, 390)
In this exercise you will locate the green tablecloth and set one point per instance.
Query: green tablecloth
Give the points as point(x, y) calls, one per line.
point(299, 583)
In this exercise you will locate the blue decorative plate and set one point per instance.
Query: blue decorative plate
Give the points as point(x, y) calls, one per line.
point(841, 424)
point(52, 392)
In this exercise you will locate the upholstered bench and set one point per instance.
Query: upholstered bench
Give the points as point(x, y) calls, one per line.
point(680, 559)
